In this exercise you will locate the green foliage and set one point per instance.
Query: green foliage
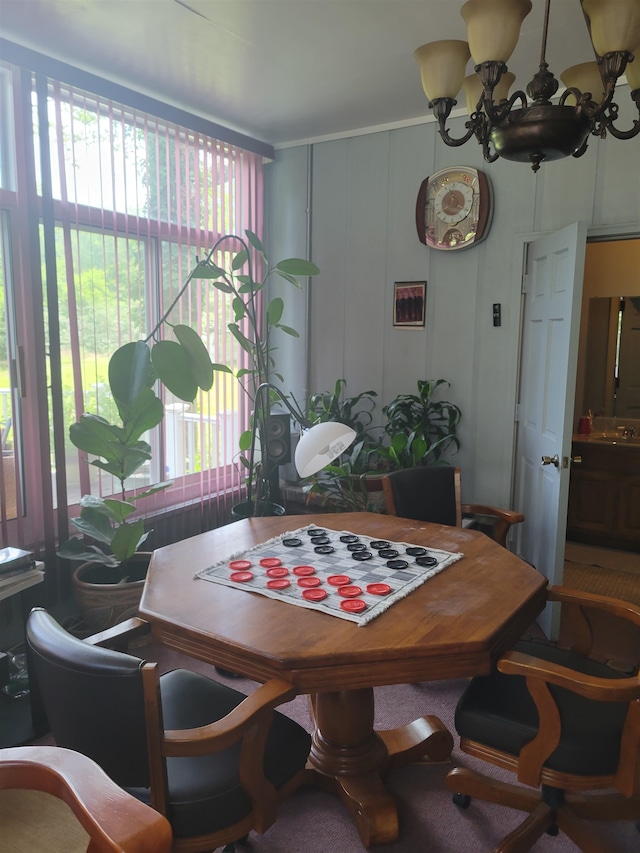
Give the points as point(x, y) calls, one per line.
point(420, 428)
point(120, 451)
point(342, 486)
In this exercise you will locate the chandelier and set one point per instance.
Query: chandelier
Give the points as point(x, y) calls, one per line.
point(536, 129)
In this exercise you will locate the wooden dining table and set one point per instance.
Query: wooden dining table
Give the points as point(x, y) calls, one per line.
point(456, 624)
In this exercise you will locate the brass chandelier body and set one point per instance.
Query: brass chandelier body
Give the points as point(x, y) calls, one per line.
point(533, 129)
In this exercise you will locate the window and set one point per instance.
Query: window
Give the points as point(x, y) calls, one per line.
point(126, 203)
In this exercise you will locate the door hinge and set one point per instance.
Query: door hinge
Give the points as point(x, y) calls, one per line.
point(516, 414)
point(525, 283)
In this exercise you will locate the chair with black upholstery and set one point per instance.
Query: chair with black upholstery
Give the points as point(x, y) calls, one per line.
point(57, 799)
point(432, 493)
point(214, 761)
point(565, 722)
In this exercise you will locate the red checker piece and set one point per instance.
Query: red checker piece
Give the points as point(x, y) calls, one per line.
point(270, 562)
point(277, 572)
point(278, 583)
point(338, 580)
point(241, 577)
point(309, 583)
point(349, 591)
point(314, 594)
point(304, 571)
point(240, 565)
point(353, 605)
point(378, 588)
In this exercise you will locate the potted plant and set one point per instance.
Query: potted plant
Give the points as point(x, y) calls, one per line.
point(420, 428)
point(346, 485)
point(183, 365)
point(109, 581)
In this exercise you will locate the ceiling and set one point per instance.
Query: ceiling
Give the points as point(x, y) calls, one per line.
point(280, 71)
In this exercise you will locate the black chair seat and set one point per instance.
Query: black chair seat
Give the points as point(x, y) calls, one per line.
point(204, 791)
point(498, 711)
point(112, 707)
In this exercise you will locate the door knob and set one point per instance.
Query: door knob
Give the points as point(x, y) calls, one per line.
point(551, 460)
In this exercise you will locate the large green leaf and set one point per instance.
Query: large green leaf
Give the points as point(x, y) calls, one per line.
point(244, 342)
point(172, 364)
point(239, 308)
point(297, 266)
point(130, 370)
point(144, 413)
point(275, 310)
point(239, 260)
point(255, 241)
point(76, 549)
point(197, 354)
point(287, 330)
point(93, 434)
point(127, 540)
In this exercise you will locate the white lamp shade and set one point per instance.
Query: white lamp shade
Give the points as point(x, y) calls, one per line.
point(442, 66)
point(493, 27)
point(472, 88)
point(614, 24)
point(320, 445)
point(586, 78)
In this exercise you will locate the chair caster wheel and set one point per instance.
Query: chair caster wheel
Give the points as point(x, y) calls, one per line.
point(461, 800)
point(553, 830)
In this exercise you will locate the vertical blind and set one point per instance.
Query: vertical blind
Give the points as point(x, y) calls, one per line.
point(127, 204)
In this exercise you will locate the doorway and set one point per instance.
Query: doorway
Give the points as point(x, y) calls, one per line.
point(606, 379)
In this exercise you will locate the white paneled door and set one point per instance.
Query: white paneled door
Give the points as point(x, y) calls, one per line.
point(555, 266)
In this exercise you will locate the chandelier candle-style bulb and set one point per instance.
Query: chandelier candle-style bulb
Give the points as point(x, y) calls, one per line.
point(472, 88)
point(442, 66)
point(614, 24)
point(493, 27)
point(586, 78)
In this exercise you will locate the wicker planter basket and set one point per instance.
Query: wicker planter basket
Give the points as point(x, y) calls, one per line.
point(103, 603)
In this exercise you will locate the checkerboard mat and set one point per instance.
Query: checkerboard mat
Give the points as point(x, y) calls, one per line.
point(330, 553)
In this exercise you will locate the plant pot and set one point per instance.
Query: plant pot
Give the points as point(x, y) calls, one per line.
point(264, 508)
point(104, 603)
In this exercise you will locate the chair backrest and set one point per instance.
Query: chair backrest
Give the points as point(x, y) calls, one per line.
point(429, 493)
point(62, 800)
point(92, 697)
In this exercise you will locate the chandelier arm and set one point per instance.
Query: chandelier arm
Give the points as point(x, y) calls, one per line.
point(580, 151)
point(498, 113)
point(442, 110)
point(625, 134)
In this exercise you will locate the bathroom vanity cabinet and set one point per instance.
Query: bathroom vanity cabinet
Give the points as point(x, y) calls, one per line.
point(604, 493)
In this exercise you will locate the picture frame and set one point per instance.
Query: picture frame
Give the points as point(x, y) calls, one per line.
point(409, 304)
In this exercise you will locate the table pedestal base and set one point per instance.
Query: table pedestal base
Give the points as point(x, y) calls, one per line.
point(349, 758)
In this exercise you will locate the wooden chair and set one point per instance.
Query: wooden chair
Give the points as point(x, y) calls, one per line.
point(214, 761)
point(432, 493)
point(115, 821)
point(564, 723)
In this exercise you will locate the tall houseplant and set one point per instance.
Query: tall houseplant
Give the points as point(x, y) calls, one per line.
point(420, 428)
point(111, 557)
point(184, 366)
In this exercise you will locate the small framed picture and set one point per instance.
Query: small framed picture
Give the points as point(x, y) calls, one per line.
point(409, 298)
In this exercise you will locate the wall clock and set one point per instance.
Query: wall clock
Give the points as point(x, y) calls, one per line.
point(454, 208)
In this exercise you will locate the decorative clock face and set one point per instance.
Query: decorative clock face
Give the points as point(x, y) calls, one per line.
point(454, 208)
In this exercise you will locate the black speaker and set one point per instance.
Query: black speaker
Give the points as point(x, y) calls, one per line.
point(279, 439)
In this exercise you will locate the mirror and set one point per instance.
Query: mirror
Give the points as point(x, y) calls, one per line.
point(612, 374)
